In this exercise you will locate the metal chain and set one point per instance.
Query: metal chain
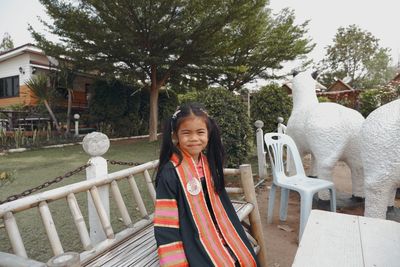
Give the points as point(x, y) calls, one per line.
point(116, 162)
point(45, 184)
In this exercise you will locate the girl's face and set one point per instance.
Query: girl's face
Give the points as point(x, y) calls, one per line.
point(193, 136)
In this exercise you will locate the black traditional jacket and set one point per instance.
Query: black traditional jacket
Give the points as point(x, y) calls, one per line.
point(187, 233)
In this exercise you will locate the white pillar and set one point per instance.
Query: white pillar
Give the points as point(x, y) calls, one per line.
point(76, 117)
point(281, 126)
point(96, 144)
point(262, 165)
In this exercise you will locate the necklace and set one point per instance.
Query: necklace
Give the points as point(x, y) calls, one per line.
point(193, 185)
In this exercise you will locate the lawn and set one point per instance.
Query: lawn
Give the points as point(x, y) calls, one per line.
point(32, 168)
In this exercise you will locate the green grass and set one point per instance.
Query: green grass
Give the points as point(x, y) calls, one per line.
point(32, 168)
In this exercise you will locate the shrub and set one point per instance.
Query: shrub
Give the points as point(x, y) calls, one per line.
point(230, 114)
point(322, 99)
point(269, 103)
point(374, 98)
point(113, 104)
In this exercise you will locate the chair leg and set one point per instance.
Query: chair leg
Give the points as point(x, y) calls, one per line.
point(305, 209)
point(333, 199)
point(284, 204)
point(271, 200)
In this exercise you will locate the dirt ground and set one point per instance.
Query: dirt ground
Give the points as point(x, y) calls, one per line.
point(282, 244)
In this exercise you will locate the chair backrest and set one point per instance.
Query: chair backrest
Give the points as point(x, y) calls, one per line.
point(276, 142)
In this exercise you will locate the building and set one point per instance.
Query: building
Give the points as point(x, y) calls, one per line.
point(20, 64)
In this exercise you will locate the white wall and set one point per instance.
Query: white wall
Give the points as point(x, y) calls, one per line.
point(11, 66)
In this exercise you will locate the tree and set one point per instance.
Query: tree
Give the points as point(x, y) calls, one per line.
point(260, 46)
point(183, 41)
point(6, 43)
point(66, 76)
point(356, 53)
point(44, 93)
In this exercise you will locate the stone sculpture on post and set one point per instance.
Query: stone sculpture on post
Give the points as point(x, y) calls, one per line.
point(329, 131)
point(380, 151)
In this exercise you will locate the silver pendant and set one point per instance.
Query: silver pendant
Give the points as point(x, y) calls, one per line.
point(193, 186)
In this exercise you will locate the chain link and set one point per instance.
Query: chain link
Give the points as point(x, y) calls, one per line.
point(116, 162)
point(45, 184)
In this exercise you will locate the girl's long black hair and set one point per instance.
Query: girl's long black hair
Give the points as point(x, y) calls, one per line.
point(215, 151)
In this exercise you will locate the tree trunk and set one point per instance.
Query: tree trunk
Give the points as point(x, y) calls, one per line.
point(69, 112)
point(53, 117)
point(153, 119)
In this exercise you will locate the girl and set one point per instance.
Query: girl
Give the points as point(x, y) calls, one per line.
point(195, 223)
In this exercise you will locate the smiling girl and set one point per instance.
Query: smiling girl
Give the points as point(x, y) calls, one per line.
point(195, 223)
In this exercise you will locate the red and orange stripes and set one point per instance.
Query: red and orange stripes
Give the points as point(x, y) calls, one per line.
point(166, 213)
point(228, 231)
point(208, 233)
point(172, 255)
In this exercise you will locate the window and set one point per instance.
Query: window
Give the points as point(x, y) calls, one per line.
point(9, 87)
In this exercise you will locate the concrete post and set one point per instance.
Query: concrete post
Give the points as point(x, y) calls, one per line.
point(95, 145)
point(281, 126)
point(262, 165)
point(76, 117)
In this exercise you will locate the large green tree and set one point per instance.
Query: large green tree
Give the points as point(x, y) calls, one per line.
point(356, 53)
point(178, 41)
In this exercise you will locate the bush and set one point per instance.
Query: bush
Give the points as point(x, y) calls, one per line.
point(113, 104)
point(268, 104)
point(322, 99)
point(374, 98)
point(230, 114)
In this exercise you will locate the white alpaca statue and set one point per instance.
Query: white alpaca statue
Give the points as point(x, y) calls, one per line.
point(329, 131)
point(380, 151)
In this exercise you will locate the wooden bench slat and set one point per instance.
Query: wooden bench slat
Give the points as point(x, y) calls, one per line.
point(50, 228)
point(109, 244)
point(243, 209)
point(137, 196)
point(15, 236)
point(79, 221)
point(101, 212)
point(120, 204)
point(150, 185)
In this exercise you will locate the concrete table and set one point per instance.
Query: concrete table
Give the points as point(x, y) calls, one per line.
point(335, 239)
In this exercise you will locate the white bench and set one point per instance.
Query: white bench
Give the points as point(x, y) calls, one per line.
point(334, 239)
point(132, 246)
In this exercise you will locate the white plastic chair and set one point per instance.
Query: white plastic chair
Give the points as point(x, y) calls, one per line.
point(305, 186)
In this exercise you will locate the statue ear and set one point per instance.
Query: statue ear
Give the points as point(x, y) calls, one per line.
point(314, 75)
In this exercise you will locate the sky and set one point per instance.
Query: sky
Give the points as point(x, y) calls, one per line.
point(381, 18)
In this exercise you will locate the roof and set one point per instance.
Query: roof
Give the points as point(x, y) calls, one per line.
point(26, 48)
point(340, 82)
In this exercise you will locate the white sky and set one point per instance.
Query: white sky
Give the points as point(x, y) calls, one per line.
point(381, 18)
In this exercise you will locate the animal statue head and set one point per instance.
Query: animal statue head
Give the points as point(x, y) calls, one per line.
point(303, 88)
